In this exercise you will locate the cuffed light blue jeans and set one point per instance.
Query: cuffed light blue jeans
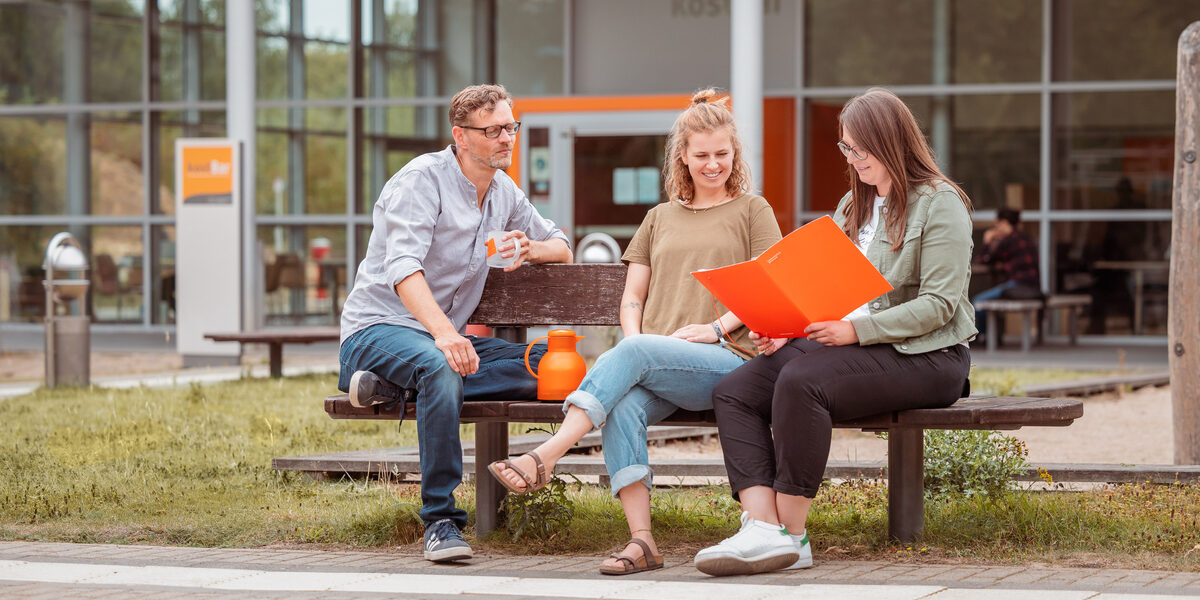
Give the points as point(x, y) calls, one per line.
point(640, 382)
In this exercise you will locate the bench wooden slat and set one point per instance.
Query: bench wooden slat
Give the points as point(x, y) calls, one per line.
point(996, 412)
point(576, 294)
point(288, 336)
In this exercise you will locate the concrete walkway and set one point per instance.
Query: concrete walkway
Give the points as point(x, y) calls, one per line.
point(46, 570)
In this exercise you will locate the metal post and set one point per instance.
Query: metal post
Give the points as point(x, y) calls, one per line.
point(240, 93)
point(940, 121)
point(746, 80)
point(906, 483)
point(76, 43)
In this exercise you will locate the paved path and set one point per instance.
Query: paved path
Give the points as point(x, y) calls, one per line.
point(45, 570)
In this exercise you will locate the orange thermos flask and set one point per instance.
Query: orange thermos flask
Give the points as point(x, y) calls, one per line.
point(561, 368)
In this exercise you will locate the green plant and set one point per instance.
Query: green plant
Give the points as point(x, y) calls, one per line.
point(971, 463)
point(541, 514)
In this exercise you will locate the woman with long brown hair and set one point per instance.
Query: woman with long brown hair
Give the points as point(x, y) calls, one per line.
point(673, 352)
point(905, 349)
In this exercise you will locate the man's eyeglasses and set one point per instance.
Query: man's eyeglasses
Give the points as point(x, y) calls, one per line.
point(850, 150)
point(492, 132)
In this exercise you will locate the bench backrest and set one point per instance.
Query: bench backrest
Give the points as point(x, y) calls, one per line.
point(576, 294)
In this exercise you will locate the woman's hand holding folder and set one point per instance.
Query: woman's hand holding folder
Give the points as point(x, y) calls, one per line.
point(767, 345)
point(832, 333)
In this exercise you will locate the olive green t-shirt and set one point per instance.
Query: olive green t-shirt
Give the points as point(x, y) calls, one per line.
point(674, 240)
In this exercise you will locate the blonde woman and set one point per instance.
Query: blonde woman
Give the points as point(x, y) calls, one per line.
point(675, 349)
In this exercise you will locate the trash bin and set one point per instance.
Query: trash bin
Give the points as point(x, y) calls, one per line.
point(68, 336)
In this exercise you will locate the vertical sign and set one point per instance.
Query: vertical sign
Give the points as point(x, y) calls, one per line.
point(208, 249)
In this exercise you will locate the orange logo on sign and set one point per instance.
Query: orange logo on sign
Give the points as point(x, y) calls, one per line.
point(207, 175)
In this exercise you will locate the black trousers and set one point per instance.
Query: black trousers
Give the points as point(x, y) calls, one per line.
point(775, 413)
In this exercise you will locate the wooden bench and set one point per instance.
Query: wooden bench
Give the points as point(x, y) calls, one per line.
point(1073, 305)
point(590, 295)
point(276, 338)
point(1033, 311)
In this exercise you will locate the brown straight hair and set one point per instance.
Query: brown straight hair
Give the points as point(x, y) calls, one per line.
point(882, 125)
point(706, 114)
point(473, 98)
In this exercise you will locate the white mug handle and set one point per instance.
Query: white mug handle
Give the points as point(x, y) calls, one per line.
point(516, 251)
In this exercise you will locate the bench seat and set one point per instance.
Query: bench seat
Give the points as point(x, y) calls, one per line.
point(1033, 311)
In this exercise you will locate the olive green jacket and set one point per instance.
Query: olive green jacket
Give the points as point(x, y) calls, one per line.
point(928, 307)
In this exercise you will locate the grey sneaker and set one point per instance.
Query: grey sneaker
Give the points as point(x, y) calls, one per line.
point(444, 542)
point(369, 389)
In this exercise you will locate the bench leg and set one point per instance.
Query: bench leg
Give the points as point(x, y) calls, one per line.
point(1026, 330)
point(906, 483)
point(1073, 324)
point(491, 444)
point(993, 332)
point(275, 349)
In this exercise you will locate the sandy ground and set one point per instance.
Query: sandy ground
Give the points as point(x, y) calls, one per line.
point(1133, 427)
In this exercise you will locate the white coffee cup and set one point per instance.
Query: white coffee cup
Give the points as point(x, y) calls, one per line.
point(494, 244)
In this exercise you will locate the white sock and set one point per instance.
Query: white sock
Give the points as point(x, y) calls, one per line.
point(799, 538)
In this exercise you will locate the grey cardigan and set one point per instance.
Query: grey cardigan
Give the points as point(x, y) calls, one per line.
point(928, 307)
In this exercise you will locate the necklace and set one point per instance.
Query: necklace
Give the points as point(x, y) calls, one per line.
point(700, 210)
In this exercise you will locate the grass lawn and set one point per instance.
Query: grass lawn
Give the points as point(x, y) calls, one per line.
point(191, 466)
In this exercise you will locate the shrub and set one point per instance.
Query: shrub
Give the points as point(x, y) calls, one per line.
point(971, 463)
point(540, 514)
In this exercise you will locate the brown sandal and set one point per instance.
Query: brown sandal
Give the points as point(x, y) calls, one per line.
point(531, 484)
point(646, 562)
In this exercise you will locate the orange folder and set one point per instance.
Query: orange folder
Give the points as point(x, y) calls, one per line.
point(813, 274)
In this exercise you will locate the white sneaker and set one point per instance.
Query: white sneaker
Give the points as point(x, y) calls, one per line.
point(805, 551)
point(757, 548)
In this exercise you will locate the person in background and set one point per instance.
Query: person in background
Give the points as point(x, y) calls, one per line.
point(905, 349)
point(673, 351)
point(404, 321)
point(1008, 248)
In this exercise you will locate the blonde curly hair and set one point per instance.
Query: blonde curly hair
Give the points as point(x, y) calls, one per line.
point(707, 113)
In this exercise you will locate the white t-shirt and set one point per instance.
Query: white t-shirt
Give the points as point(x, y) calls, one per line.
point(865, 235)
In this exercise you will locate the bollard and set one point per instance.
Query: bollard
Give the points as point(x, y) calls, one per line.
point(68, 337)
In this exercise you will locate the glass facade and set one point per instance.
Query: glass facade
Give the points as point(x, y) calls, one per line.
point(1062, 108)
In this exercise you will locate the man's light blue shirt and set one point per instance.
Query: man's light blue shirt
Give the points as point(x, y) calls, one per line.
point(427, 219)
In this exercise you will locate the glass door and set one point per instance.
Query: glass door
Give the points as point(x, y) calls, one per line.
point(595, 172)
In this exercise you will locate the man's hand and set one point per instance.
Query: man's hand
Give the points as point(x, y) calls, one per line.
point(507, 249)
point(832, 333)
point(765, 345)
point(702, 334)
point(459, 353)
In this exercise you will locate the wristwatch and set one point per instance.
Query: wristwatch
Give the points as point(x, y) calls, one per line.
point(717, 330)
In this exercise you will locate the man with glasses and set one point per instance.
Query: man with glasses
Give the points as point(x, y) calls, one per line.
point(404, 321)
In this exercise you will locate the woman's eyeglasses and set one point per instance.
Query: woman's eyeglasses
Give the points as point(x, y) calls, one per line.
point(847, 151)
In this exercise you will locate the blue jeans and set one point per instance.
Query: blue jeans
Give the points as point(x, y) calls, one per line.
point(640, 382)
point(989, 294)
point(408, 358)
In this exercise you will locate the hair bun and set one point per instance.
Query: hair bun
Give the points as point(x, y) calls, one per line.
point(704, 96)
